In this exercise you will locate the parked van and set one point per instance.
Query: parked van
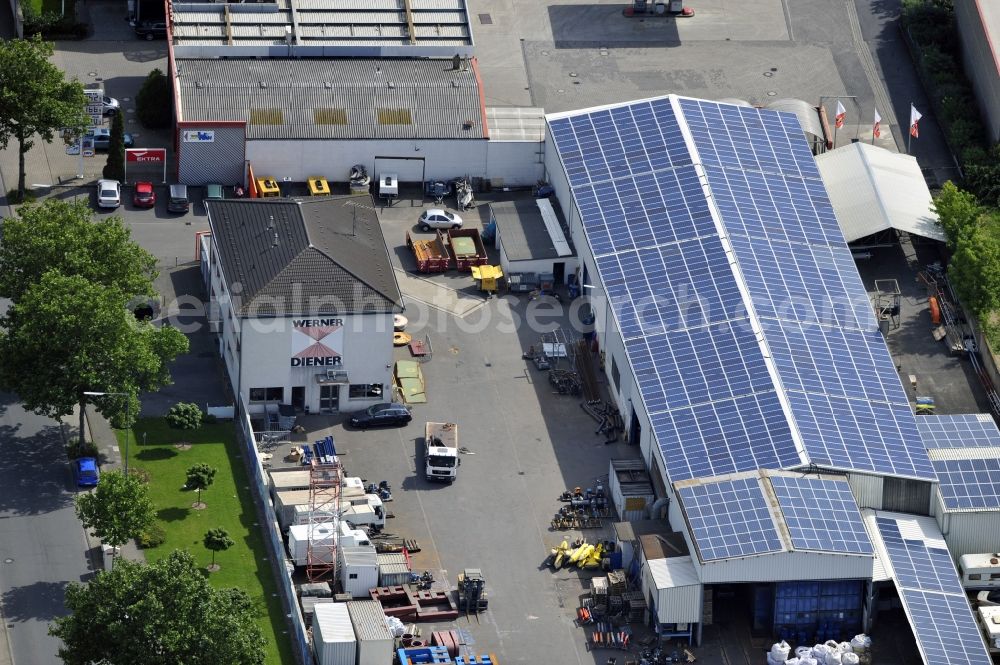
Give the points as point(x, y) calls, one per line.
point(980, 571)
point(179, 201)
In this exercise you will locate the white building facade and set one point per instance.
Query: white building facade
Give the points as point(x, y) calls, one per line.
point(302, 300)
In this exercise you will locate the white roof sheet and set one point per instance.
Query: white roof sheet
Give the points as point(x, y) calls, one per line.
point(873, 189)
point(673, 572)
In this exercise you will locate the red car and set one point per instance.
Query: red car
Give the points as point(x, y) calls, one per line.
point(144, 196)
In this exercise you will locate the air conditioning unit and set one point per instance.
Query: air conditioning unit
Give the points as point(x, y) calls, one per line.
point(215, 327)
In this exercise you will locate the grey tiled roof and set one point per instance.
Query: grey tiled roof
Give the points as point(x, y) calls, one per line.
point(344, 98)
point(522, 230)
point(314, 256)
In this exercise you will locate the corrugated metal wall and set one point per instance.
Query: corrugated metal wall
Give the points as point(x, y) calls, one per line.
point(789, 566)
point(971, 533)
point(979, 61)
point(906, 496)
point(220, 160)
point(515, 162)
point(867, 490)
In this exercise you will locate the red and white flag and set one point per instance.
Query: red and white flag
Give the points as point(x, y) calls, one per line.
point(841, 115)
point(877, 127)
point(915, 117)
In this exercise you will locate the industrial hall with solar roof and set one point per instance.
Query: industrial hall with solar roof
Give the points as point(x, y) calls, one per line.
point(742, 349)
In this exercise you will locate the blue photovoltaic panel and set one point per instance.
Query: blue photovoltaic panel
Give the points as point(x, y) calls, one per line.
point(821, 514)
point(729, 519)
point(713, 439)
point(672, 287)
point(973, 430)
point(776, 207)
point(970, 484)
point(750, 139)
point(945, 628)
point(859, 434)
point(807, 283)
point(914, 564)
point(841, 362)
point(621, 142)
point(644, 211)
point(706, 364)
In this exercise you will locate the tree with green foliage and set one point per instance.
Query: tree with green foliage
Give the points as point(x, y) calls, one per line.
point(163, 613)
point(118, 510)
point(200, 477)
point(958, 212)
point(115, 168)
point(217, 540)
point(35, 98)
point(975, 267)
point(66, 336)
point(154, 103)
point(63, 236)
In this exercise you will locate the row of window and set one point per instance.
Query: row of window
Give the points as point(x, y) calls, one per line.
point(354, 391)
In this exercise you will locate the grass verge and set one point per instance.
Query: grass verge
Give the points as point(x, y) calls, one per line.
point(229, 505)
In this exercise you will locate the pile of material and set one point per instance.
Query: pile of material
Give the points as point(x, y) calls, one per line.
point(580, 555)
point(855, 652)
point(610, 602)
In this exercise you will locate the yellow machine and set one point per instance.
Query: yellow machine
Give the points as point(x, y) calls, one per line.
point(318, 186)
point(488, 277)
point(267, 187)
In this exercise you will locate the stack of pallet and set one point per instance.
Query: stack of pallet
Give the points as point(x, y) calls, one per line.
point(635, 606)
point(617, 583)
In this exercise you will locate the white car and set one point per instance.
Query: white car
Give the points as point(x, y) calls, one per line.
point(109, 193)
point(435, 218)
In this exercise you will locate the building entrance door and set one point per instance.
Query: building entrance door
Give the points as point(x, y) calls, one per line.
point(299, 397)
point(329, 398)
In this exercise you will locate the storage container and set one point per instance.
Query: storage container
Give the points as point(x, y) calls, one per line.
point(358, 570)
point(631, 489)
point(333, 635)
point(375, 642)
point(322, 538)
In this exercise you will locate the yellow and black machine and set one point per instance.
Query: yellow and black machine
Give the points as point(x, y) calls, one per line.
point(318, 186)
point(487, 277)
point(267, 187)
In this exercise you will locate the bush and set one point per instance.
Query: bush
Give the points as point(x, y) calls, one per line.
point(185, 415)
point(14, 197)
point(51, 25)
point(154, 103)
point(115, 168)
point(154, 536)
point(210, 419)
point(74, 450)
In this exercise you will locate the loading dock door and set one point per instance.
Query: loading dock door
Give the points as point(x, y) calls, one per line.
point(408, 169)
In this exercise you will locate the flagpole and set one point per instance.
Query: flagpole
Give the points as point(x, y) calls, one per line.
point(834, 135)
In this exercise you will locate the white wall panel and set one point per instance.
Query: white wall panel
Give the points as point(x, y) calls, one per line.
point(515, 163)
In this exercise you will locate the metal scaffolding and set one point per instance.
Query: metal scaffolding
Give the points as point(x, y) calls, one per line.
point(325, 478)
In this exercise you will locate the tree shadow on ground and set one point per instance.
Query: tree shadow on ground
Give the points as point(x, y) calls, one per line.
point(41, 601)
point(172, 514)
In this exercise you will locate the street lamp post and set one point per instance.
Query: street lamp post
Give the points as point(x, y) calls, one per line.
point(128, 416)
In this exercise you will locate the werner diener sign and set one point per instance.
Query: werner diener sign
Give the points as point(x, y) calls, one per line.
point(315, 342)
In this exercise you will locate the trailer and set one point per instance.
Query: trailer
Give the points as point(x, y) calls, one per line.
point(431, 255)
point(441, 452)
point(466, 248)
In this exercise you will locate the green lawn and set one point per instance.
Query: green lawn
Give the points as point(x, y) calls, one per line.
point(55, 6)
point(229, 505)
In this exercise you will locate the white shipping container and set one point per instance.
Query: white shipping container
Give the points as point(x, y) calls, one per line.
point(375, 642)
point(333, 635)
point(283, 480)
point(298, 541)
point(352, 537)
point(358, 570)
point(631, 489)
point(302, 513)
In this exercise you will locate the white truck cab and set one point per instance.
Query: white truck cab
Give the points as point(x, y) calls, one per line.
point(441, 452)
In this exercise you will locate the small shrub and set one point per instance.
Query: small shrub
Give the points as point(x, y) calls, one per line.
point(154, 536)
point(74, 450)
point(185, 415)
point(210, 419)
point(14, 197)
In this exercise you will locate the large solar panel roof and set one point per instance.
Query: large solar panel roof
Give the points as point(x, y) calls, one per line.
point(970, 430)
point(932, 594)
point(729, 519)
point(821, 514)
point(744, 318)
point(750, 513)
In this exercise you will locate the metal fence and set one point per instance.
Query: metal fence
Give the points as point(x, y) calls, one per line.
point(275, 545)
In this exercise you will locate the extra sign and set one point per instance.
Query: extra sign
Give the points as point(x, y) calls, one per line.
point(198, 136)
point(95, 105)
point(146, 155)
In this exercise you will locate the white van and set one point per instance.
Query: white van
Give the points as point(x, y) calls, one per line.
point(980, 571)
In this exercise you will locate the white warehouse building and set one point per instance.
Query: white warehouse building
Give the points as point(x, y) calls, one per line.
point(302, 300)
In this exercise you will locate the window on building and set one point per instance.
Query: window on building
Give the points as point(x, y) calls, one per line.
point(995, 576)
point(267, 394)
point(365, 391)
point(975, 576)
point(616, 376)
point(352, 576)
